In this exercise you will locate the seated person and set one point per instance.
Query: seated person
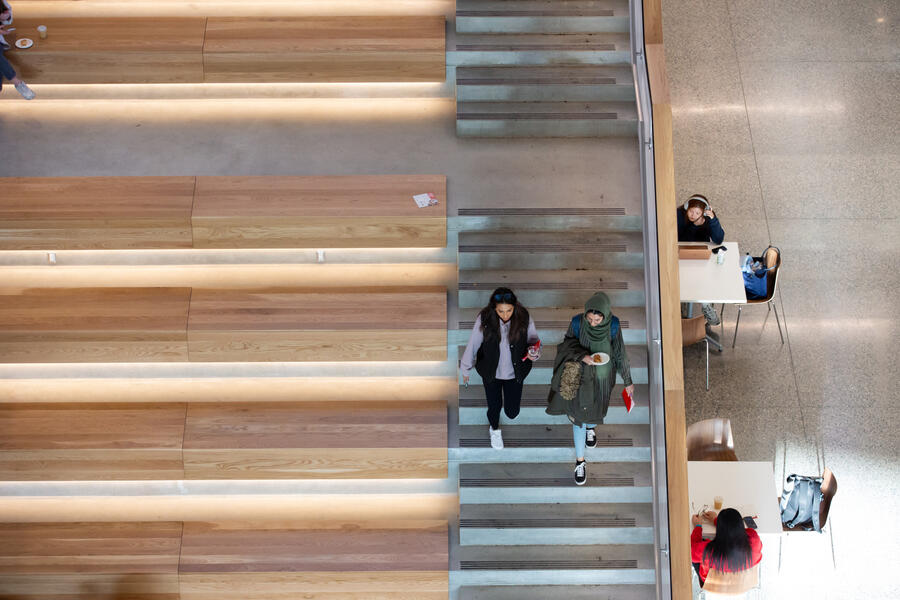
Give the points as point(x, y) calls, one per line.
point(735, 548)
point(698, 223)
point(6, 70)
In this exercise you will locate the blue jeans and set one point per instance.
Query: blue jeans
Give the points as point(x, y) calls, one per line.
point(580, 435)
point(6, 69)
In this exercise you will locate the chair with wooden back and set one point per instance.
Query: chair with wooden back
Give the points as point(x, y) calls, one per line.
point(720, 584)
point(693, 331)
point(711, 440)
point(771, 258)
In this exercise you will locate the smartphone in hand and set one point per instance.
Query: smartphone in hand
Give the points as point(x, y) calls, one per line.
point(749, 523)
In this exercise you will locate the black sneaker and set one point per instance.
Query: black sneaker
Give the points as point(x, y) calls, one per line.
point(580, 473)
point(591, 438)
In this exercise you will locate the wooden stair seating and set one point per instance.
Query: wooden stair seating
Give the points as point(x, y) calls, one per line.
point(222, 561)
point(142, 324)
point(80, 213)
point(245, 49)
point(321, 439)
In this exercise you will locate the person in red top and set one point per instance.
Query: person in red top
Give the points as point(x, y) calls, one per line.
point(734, 548)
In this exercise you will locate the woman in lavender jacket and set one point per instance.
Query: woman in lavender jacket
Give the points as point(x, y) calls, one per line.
point(503, 344)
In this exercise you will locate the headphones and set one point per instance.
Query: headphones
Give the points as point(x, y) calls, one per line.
point(701, 199)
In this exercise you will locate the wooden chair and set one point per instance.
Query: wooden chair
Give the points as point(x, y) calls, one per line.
point(711, 440)
point(720, 584)
point(772, 259)
point(693, 331)
point(829, 489)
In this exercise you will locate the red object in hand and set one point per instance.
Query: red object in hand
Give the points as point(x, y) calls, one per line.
point(629, 401)
point(532, 350)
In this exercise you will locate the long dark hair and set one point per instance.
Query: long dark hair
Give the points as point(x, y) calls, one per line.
point(490, 322)
point(730, 551)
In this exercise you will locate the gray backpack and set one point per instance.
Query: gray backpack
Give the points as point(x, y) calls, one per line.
point(800, 502)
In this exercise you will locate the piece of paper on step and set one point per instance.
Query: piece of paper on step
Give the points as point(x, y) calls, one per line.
point(423, 200)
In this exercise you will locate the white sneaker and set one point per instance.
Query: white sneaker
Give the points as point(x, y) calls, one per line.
point(496, 438)
point(26, 91)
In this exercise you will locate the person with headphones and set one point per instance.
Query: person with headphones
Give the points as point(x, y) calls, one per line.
point(698, 223)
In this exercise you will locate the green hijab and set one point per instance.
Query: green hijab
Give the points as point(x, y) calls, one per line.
point(597, 338)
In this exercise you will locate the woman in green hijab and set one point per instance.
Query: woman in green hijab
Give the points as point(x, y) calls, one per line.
point(583, 378)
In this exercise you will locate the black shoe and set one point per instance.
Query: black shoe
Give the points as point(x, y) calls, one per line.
point(591, 438)
point(580, 473)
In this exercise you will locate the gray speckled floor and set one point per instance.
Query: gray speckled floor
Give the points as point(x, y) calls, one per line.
point(786, 117)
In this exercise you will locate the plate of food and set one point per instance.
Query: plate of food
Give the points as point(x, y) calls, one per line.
point(24, 43)
point(600, 358)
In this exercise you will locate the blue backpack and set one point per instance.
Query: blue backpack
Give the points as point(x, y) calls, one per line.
point(613, 327)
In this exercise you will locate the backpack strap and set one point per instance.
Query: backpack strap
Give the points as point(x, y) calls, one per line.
point(613, 327)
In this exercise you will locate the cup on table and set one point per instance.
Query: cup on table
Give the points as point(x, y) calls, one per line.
point(717, 502)
point(42, 31)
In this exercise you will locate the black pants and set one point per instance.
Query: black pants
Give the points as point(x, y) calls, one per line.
point(505, 394)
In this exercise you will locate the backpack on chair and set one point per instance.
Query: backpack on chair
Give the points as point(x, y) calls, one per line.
point(801, 501)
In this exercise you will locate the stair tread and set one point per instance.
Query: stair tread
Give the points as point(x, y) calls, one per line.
point(598, 41)
point(545, 74)
point(573, 7)
point(541, 516)
point(569, 592)
point(557, 557)
point(605, 474)
point(598, 279)
point(551, 110)
point(630, 317)
point(550, 241)
point(555, 436)
point(536, 395)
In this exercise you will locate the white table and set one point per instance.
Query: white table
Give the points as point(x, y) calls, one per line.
point(747, 486)
point(707, 282)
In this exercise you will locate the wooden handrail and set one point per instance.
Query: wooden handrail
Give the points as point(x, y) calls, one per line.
point(667, 238)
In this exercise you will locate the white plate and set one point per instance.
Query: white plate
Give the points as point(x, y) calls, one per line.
point(604, 357)
point(24, 43)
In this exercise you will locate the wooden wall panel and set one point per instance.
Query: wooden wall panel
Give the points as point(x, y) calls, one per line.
point(266, 547)
point(70, 548)
point(93, 325)
point(380, 585)
point(91, 442)
point(112, 50)
point(295, 324)
point(310, 440)
point(50, 213)
point(324, 49)
point(369, 211)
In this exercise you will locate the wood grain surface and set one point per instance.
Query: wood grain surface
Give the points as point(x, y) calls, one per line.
point(61, 548)
point(93, 325)
point(93, 586)
point(39, 213)
point(112, 50)
point(369, 211)
point(296, 324)
point(265, 547)
point(324, 49)
point(371, 585)
point(91, 442)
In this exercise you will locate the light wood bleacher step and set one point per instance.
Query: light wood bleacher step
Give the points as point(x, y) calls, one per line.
point(540, 16)
point(544, 84)
point(578, 249)
point(552, 288)
point(555, 524)
point(512, 49)
point(486, 483)
point(546, 119)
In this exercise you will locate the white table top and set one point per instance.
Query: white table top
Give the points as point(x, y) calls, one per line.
point(707, 282)
point(747, 486)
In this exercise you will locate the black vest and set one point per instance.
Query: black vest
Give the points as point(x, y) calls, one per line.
point(488, 357)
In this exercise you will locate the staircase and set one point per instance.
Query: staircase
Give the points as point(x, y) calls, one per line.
point(543, 68)
point(526, 531)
